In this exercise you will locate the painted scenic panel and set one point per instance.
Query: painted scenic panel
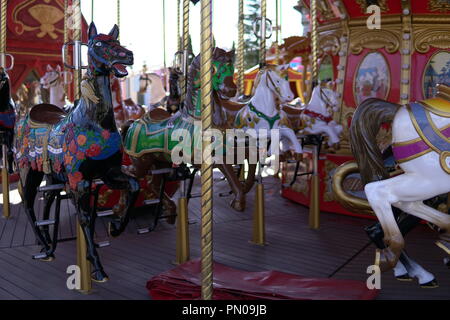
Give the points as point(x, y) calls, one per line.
point(372, 78)
point(436, 71)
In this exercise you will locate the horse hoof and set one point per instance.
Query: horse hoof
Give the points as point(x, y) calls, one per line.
point(48, 258)
point(238, 205)
point(430, 285)
point(404, 278)
point(385, 259)
point(99, 276)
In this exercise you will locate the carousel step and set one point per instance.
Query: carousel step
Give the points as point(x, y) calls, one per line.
point(44, 223)
point(143, 230)
point(161, 171)
point(105, 213)
point(52, 187)
point(151, 201)
point(103, 244)
point(39, 256)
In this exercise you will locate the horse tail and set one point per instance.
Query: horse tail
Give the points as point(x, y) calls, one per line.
point(366, 122)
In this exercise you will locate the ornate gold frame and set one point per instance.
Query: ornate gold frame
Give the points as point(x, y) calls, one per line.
point(357, 69)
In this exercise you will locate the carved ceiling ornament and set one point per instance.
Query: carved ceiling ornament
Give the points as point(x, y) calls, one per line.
point(329, 44)
point(381, 3)
point(437, 38)
point(375, 39)
point(325, 10)
point(44, 14)
point(439, 6)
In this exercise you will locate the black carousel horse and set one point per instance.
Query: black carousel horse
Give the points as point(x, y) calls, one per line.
point(7, 117)
point(79, 147)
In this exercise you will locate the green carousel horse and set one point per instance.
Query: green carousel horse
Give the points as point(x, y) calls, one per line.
point(150, 141)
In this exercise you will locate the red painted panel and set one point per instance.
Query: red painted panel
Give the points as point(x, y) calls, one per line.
point(354, 9)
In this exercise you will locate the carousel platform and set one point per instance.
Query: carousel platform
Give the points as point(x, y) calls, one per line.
point(339, 250)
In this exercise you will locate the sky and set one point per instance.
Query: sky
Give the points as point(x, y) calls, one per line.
point(141, 25)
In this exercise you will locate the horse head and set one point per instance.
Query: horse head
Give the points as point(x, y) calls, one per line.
point(106, 55)
point(324, 100)
point(222, 82)
point(273, 77)
point(52, 77)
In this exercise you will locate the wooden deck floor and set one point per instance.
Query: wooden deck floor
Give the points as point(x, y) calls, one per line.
point(132, 259)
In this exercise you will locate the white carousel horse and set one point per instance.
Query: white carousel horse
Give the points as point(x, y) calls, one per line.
point(153, 87)
point(263, 109)
point(421, 146)
point(53, 81)
point(318, 115)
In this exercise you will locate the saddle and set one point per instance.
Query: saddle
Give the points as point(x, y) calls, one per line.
point(292, 111)
point(47, 114)
point(158, 115)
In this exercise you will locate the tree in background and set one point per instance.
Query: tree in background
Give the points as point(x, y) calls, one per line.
point(251, 42)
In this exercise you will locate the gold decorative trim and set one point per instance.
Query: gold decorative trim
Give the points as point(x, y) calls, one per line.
point(381, 3)
point(374, 39)
point(442, 6)
point(414, 156)
point(438, 38)
point(435, 111)
point(329, 44)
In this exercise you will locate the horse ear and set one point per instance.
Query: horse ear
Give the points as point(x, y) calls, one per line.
point(92, 30)
point(49, 68)
point(114, 32)
point(58, 68)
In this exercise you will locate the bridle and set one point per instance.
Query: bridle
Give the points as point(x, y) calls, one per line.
point(326, 99)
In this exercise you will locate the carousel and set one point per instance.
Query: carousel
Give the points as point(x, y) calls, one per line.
point(306, 177)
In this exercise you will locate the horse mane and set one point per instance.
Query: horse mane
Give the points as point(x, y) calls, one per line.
point(218, 55)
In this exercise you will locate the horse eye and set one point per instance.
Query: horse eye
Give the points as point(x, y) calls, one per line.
point(98, 44)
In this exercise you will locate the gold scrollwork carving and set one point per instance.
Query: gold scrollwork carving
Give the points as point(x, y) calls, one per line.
point(432, 38)
point(439, 6)
point(375, 39)
point(329, 44)
point(381, 3)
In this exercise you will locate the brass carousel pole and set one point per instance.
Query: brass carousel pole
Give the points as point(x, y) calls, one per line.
point(118, 16)
point(207, 166)
point(262, 49)
point(82, 261)
point(178, 25)
point(259, 230)
point(182, 240)
point(240, 50)
point(277, 32)
point(5, 176)
point(314, 207)
point(185, 44)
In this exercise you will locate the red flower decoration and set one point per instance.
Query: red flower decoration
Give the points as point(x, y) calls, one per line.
point(94, 150)
point(57, 166)
point(106, 134)
point(73, 147)
point(80, 155)
point(74, 179)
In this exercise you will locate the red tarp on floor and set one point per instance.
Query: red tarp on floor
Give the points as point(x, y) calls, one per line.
point(183, 282)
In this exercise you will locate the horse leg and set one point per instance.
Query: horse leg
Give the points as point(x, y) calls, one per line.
point(295, 145)
point(32, 181)
point(397, 191)
point(238, 203)
point(86, 221)
point(414, 270)
point(117, 180)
